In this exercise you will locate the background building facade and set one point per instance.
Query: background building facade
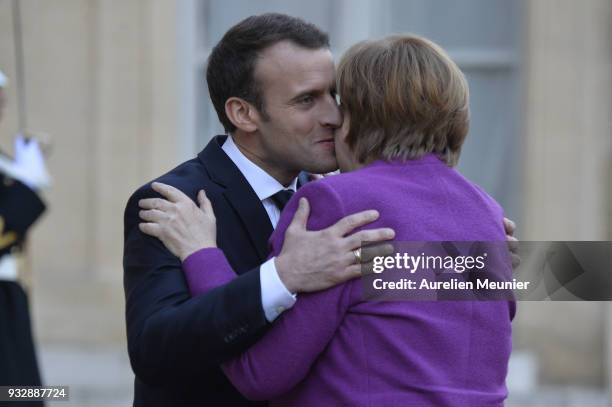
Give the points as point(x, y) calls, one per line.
point(119, 86)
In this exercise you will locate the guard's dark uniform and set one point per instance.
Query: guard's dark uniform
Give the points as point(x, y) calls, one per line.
point(19, 208)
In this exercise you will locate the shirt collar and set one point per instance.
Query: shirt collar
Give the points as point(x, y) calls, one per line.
point(262, 183)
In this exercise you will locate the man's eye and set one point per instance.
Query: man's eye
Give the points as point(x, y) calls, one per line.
point(306, 100)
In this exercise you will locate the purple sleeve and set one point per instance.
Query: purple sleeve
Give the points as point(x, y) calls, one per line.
point(283, 357)
point(206, 269)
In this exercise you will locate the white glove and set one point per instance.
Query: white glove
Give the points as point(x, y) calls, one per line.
point(29, 164)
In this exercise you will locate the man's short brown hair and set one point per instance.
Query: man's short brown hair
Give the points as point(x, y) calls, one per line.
point(231, 65)
point(405, 98)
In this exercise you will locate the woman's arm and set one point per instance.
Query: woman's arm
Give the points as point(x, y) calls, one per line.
point(285, 354)
point(283, 357)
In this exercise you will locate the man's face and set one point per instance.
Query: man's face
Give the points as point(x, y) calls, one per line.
point(298, 88)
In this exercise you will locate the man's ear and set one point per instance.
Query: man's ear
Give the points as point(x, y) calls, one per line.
point(242, 114)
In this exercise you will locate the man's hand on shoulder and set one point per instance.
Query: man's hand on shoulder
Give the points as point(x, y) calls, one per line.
point(316, 260)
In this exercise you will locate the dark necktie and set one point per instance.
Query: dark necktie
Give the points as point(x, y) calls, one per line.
point(281, 198)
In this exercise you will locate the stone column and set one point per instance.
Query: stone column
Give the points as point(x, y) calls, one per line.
point(102, 79)
point(568, 141)
point(567, 162)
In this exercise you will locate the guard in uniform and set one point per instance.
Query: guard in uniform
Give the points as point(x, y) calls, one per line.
point(20, 207)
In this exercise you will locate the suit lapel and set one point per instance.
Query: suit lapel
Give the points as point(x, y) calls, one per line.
point(239, 194)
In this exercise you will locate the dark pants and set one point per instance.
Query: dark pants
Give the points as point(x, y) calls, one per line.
point(18, 366)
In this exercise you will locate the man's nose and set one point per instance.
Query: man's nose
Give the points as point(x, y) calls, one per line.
point(332, 116)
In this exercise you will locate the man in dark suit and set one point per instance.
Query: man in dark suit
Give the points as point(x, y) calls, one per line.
point(271, 79)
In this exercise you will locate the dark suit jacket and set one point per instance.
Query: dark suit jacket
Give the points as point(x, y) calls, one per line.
point(175, 342)
point(20, 207)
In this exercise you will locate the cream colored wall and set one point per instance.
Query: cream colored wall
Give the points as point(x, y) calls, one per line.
point(568, 161)
point(101, 80)
point(569, 134)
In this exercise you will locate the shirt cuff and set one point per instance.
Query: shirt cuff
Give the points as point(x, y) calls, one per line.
point(275, 298)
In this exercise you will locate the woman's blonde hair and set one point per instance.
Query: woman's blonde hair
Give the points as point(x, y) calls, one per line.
point(405, 97)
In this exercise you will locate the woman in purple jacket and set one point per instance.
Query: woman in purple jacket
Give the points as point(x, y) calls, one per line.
point(406, 116)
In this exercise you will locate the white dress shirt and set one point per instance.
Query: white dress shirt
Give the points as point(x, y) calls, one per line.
point(275, 297)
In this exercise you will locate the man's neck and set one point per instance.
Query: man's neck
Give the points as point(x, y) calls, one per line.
point(283, 176)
